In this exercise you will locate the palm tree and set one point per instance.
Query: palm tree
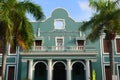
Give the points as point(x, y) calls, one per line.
point(106, 19)
point(15, 27)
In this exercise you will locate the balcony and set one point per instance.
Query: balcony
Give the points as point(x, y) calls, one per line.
point(61, 52)
point(86, 48)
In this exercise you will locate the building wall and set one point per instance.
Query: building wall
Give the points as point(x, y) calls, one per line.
point(105, 57)
point(11, 71)
point(46, 32)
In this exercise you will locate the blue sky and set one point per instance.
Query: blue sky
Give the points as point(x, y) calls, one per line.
point(79, 10)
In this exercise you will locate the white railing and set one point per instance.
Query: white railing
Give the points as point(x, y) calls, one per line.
point(36, 48)
point(59, 48)
point(77, 47)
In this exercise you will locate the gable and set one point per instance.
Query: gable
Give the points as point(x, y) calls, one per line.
point(58, 17)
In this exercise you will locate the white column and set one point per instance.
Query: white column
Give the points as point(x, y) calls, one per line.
point(87, 70)
point(69, 69)
point(30, 69)
point(49, 69)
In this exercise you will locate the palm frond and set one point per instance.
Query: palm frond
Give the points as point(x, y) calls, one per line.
point(32, 9)
point(86, 25)
point(25, 34)
point(95, 33)
point(106, 17)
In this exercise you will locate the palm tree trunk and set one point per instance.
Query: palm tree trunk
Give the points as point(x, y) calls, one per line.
point(111, 58)
point(4, 56)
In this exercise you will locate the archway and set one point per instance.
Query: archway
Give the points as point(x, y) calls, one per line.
point(78, 72)
point(59, 72)
point(40, 71)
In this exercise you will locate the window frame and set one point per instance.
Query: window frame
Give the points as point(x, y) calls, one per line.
point(8, 71)
point(1, 70)
point(77, 42)
point(116, 45)
point(106, 65)
point(62, 27)
point(9, 53)
point(35, 42)
point(118, 71)
point(103, 46)
point(56, 38)
point(0, 50)
point(38, 46)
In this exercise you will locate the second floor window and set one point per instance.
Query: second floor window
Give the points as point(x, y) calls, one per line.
point(0, 49)
point(80, 44)
point(118, 45)
point(12, 49)
point(38, 44)
point(59, 44)
point(106, 46)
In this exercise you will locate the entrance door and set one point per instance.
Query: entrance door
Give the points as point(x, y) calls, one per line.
point(78, 72)
point(59, 72)
point(40, 71)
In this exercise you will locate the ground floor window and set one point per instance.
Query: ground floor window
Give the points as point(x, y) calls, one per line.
point(119, 71)
point(11, 72)
point(107, 72)
point(0, 72)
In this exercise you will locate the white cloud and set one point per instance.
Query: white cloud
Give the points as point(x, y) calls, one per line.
point(84, 5)
point(86, 11)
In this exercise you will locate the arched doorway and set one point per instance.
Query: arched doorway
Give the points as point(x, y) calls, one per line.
point(78, 72)
point(59, 72)
point(40, 71)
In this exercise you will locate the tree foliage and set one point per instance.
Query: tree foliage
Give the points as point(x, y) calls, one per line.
point(106, 17)
point(105, 20)
point(15, 26)
point(14, 23)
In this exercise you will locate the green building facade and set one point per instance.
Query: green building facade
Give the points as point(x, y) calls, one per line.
point(61, 52)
